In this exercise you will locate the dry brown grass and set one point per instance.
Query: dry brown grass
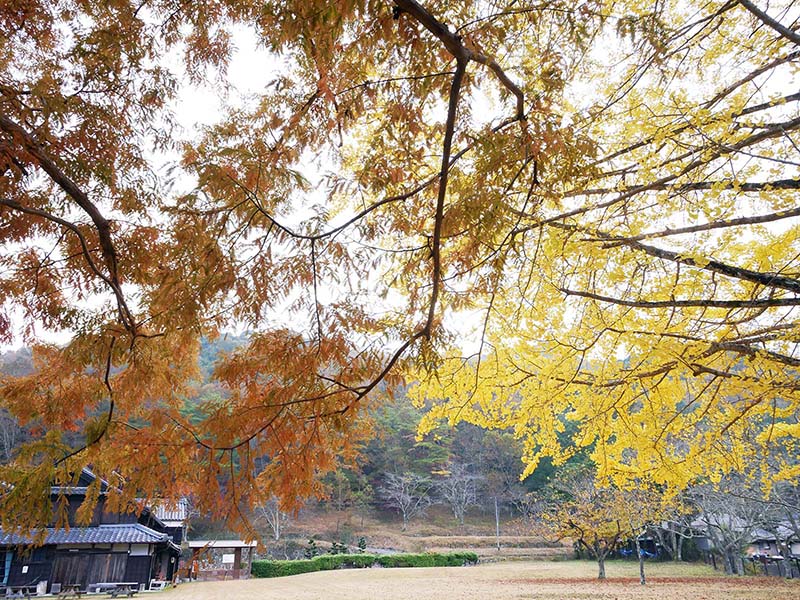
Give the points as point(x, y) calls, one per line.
point(570, 580)
point(437, 532)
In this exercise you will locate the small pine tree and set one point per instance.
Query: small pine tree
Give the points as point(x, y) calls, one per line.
point(338, 548)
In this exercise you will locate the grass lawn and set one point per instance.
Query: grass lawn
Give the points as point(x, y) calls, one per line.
point(568, 580)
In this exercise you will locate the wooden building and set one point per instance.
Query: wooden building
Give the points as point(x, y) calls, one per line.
point(113, 548)
point(175, 518)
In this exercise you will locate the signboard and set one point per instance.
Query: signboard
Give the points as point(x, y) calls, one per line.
point(228, 559)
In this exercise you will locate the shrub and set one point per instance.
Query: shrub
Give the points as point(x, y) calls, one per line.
point(282, 568)
point(327, 562)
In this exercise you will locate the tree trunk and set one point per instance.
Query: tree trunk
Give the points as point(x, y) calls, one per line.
point(732, 563)
point(673, 544)
point(601, 563)
point(679, 552)
point(641, 561)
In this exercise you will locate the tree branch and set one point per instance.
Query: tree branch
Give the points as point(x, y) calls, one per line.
point(718, 151)
point(369, 82)
point(772, 64)
point(747, 186)
point(81, 199)
point(770, 280)
point(770, 22)
point(109, 414)
point(84, 247)
point(455, 46)
point(721, 224)
point(436, 255)
point(703, 303)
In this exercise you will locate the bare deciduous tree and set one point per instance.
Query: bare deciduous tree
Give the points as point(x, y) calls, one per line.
point(275, 517)
point(730, 513)
point(458, 489)
point(408, 493)
point(10, 435)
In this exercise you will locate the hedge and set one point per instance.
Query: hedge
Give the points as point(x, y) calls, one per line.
point(328, 562)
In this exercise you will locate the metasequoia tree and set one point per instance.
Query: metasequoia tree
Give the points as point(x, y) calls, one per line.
point(610, 185)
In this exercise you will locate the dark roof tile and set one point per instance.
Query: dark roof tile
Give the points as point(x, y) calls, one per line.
point(130, 533)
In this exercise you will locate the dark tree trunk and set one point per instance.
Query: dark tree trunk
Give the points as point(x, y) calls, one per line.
point(641, 561)
point(732, 563)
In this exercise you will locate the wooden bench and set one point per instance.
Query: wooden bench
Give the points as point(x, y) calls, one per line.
point(117, 589)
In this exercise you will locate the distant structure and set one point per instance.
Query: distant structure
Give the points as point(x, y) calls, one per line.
point(221, 559)
point(175, 519)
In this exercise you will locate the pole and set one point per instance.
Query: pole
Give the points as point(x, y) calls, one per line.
point(497, 523)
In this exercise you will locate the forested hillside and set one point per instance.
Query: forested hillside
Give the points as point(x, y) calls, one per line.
point(463, 467)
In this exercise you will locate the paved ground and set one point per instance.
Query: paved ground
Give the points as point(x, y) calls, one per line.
point(572, 580)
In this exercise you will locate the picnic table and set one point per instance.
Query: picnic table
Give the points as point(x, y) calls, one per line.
point(158, 584)
point(117, 589)
point(20, 591)
point(70, 590)
point(125, 590)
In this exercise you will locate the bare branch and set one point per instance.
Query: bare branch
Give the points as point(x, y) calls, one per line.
point(450, 125)
point(702, 303)
point(720, 224)
point(79, 196)
point(747, 186)
point(770, 280)
point(455, 46)
point(770, 22)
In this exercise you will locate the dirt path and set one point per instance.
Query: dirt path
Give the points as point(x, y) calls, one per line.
point(502, 581)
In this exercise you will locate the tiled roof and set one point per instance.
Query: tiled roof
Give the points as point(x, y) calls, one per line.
point(178, 512)
point(221, 544)
point(131, 533)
